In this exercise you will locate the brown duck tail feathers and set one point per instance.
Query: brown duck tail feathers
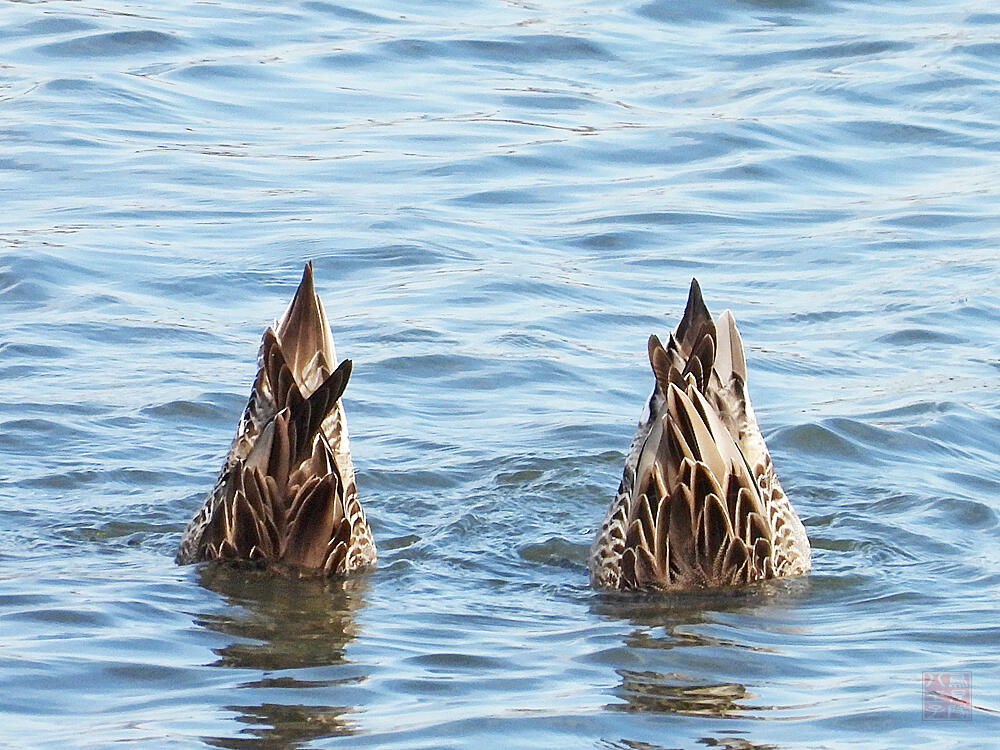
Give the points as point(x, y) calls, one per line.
point(303, 333)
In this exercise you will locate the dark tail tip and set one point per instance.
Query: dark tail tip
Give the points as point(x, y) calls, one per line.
point(307, 274)
point(694, 295)
point(694, 313)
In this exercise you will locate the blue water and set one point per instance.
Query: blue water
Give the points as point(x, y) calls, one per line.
point(503, 200)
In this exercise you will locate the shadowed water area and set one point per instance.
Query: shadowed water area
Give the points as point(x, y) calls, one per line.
point(502, 200)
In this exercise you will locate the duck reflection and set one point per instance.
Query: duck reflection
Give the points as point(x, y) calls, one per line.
point(293, 633)
point(675, 694)
point(729, 743)
point(685, 654)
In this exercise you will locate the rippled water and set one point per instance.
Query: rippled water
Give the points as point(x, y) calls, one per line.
point(502, 200)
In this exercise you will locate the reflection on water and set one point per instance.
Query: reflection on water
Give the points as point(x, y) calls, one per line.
point(295, 622)
point(672, 622)
point(294, 630)
point(683, 656)
point(730, 743)
point(274, 725)
point(676, 694)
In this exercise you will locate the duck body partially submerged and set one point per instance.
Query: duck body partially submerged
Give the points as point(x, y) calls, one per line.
point(286, 492)
point(699, 503)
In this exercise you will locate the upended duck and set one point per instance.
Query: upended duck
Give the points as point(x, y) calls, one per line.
point(699, 503)
point(286, 492)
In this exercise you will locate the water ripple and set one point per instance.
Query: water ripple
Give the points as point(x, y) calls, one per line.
point(113, 44)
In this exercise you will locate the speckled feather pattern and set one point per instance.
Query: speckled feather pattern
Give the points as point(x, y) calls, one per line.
point(699, 503)
point(286, 492)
